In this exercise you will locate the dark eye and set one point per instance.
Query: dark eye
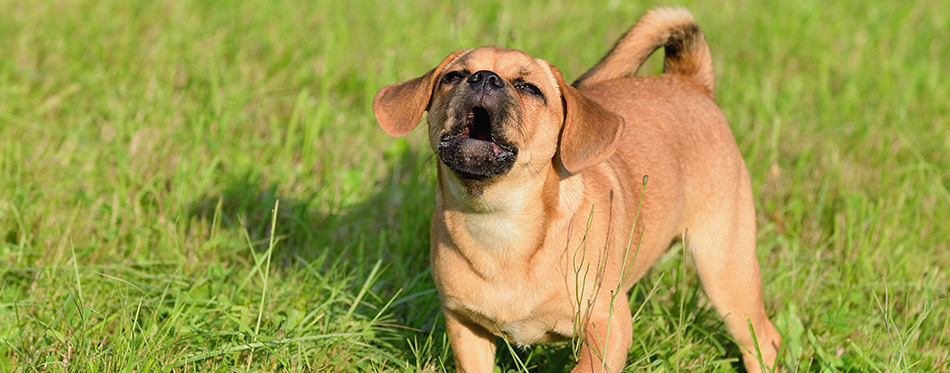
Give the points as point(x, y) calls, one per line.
point(529, 88)
point(453, 77)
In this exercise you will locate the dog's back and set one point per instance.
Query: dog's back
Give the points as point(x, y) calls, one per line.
point(675, 110)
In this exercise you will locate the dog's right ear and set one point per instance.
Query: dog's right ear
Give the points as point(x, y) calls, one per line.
point(399, 107)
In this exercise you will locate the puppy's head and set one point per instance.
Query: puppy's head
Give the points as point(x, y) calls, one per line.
point(496, 113)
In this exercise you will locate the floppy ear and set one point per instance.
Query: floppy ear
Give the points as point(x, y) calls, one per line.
point(398, 107)
point(590, 132)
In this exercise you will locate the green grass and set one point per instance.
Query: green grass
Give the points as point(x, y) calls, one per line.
point(144, 146)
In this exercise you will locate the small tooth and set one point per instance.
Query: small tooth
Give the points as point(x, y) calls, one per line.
point(495, 148)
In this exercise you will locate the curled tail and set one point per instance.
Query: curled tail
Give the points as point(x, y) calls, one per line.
point(674, 29)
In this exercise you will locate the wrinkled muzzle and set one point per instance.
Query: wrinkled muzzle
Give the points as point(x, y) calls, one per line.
point(475, 146)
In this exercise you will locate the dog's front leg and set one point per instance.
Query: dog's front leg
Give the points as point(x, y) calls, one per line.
point(472, 345)
point(607, 338)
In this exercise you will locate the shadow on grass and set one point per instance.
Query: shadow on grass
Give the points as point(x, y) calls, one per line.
point(390, 226)
point(377, 228)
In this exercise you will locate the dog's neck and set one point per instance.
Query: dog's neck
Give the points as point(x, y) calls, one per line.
point(502, 222)
point(494, 197)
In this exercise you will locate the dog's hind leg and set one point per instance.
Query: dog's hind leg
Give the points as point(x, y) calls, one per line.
point(722, 243)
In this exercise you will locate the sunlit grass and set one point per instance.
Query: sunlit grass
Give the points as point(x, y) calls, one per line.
point(144, 146)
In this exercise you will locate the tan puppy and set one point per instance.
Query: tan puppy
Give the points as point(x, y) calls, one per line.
point(538, 231)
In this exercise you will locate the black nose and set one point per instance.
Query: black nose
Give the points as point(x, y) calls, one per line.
point(485, 79)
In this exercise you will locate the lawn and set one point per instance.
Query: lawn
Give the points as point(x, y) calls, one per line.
point(201, 185)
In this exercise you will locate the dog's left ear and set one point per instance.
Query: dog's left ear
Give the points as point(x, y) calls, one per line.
point(590, 132)
point(398, 107)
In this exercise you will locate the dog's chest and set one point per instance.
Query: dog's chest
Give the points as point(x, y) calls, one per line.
point(516, 312)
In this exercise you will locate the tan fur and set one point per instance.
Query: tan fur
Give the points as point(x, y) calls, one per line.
point(512, 254)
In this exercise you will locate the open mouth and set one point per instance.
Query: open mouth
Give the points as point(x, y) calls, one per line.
point(474, 152)
point(477, 125)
